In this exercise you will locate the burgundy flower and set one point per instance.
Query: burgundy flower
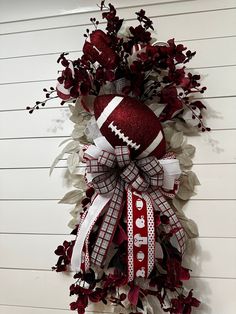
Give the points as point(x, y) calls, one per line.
point(115, 280)
point(64, 252)
point(140, 34)
point(104, 75)
point(175, 272)
point(164, 219)
point(177, 76)
point(74, 289)
point(174, 105)
point(62, 59)
point(184, 274)
point(133, 295)
point(144, 20)
point(114, 23)
point(176, 51)
point(85, 201)
point(97, 295)
point(90, 192)
point(182, 304)
point(80, 305)
point(98, 49)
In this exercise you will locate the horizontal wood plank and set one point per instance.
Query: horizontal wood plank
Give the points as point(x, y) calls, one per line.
point(217, 181)
point(75, 15)
point(30, 251)
point(25, 153)
point(211, 257)
point(205, 257)
point(211, 147)
point(213, 218)
point(214, 147)
point(21, 44)
point(210, 291)
point(52, 122)
point(27, 93)
point(219, 113)
point(210, 53)
point(55, 122)
point(36, 183)
point(217, 87)
point(59, 9)
point(56, 295)
point(33, 184)
point(7, 309)
point(48, 217)
point(36, 217)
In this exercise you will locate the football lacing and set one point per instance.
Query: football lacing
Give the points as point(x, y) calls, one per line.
point(122, 136)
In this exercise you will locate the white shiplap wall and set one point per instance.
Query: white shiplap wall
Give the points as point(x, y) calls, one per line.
point(32, 34)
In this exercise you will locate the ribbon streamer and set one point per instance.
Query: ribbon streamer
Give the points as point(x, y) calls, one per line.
point(141, 235)
point(113, 174)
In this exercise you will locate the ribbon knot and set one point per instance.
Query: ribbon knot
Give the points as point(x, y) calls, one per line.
point(139, 175)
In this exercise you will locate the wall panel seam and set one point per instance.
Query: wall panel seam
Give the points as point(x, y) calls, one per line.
point(103, 23)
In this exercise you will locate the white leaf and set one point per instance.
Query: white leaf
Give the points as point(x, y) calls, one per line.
point(72, 197)
point(76, 210)
point(189, 150)
point(72, 223)
point(72, 108)
point(178, 203)
point(168, 131)
point(188, 114)
point(72, 161)
point(186, 129)
point(80, 183)
point(192, 179)
point(78, 131)
point(192, 230)
point(65, 141)
point(76, 118)
point(185, 160)
point(70, 147)
point(55, 162)
point(184, 193)
point(177, 140)
point(189, 225)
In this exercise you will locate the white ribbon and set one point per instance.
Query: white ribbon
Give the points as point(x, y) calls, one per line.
point(95, 209)
point(93, 213)
point(172, 172)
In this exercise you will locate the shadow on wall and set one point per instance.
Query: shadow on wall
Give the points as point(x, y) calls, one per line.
point(60, 123)
point(194, 259)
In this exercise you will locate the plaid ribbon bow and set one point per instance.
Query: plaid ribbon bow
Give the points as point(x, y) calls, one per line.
point(113, 173)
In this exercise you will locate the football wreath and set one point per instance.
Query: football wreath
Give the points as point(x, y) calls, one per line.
point(131, 101)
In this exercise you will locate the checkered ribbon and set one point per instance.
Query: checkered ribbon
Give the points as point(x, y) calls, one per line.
point(111, 173)
point(114, 172)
